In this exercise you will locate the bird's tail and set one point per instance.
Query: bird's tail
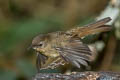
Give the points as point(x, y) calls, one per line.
point(96, 27)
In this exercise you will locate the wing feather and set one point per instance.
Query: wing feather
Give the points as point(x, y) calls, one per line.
point(75, 53)
point(40, 60)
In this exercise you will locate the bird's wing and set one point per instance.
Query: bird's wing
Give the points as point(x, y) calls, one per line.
point(98, 26)
point(75, 53)
point(40, 60)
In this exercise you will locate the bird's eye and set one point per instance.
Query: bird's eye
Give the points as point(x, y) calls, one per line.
point(40, 44)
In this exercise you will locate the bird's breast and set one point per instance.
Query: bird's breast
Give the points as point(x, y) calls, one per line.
point(51, 52)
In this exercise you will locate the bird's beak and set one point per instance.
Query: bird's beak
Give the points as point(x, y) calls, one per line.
point(35, 48)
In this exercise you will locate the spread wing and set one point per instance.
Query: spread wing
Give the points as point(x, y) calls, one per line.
point(40, 60)
point(76, 53)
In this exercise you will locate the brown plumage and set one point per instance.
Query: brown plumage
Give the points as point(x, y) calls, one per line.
point(59, 48)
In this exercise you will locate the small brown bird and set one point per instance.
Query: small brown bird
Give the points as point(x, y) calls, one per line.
point(59, 48)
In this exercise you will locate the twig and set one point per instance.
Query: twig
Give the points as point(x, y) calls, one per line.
point(109, 53)
point(113, 11)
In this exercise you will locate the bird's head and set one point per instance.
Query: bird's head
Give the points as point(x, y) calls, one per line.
point(40, 42)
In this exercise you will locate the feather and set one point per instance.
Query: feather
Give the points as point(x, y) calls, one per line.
point(83, 62)
point(40, 60)
point(98, 26)
point(75, 53)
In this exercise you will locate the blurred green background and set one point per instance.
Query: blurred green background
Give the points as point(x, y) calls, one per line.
point(21, 20)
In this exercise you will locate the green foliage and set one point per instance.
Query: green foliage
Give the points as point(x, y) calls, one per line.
point(25, 67)
point(7, 75)
point(24, 30)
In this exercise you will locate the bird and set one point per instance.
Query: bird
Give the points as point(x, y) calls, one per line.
point(65, 47)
